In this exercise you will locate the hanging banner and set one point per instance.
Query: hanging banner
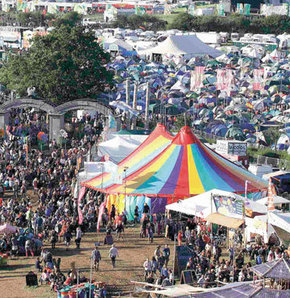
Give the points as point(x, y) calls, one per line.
point(258, 79)
point(271, 194)
point(196, 80)
point(221, 83)
point(230, 81)
point(101, 212)
point(247, 9)
point(81, 195)
point(228, 206)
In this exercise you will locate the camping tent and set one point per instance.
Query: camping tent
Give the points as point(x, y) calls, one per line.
point(187, 45)
point(186, 168)
point(157, 141)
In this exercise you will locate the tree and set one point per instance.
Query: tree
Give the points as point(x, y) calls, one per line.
point(66, 64)
point(146, 22)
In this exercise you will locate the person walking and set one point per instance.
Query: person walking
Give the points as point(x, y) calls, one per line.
point(78, 237)
point(96, 257)
point(113, 253)
point(166, 254)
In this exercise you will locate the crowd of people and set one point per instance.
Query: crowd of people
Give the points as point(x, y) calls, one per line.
point(38, 195)
point(210, 262)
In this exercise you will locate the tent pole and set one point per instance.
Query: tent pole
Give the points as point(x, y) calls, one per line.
point(127, 102)
point(174, 256)
point(135, 104)
point(147, 107)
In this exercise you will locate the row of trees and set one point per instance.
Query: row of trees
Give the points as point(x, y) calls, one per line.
point(64, 65)
point(235, 23)
point(145, 22)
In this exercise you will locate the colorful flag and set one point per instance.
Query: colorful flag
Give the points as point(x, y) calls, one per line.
point(196, 81)
point(271, 194)
point(81, 195)
point(258, 79)
point(249, 105)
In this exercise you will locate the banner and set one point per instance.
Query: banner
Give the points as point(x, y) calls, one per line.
point(81, 195)
point(101, 212)
point(271, 194)
point(221, 9)
point(221, 83)
point(228, 206)
point(140, 11)
point(225, 80)
point(196, 80)
point(258, 79)
point(240, 8)
point(247, 9)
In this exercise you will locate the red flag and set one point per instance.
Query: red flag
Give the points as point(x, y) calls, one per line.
point(81, 195)
point(271, 194)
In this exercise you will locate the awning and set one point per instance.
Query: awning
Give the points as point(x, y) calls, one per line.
point(226, 221)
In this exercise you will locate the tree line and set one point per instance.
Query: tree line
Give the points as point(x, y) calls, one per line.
point(185, 22)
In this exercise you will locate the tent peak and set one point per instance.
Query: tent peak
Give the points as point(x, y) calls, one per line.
point(185, 137)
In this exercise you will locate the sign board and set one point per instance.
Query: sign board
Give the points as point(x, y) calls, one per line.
point(183, 253)
point(231, 148)
point(186, 277)
point(228, 206)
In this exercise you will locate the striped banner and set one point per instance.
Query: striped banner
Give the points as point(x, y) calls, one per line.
point(258, 79)
point(196, 81)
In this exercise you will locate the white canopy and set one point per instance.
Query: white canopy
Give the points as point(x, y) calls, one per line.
point(280, 220)
point(202, 205)
point(276, 199)
point(118, 147)
point(188, 45)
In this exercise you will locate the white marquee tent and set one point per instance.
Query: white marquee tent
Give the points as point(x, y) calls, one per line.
point(182, 45)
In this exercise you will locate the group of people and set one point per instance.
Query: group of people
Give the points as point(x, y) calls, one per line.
point(156, 269)
point(38, 193)
point(207, 245)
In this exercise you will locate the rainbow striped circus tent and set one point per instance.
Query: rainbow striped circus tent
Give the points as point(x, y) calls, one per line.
point(156, 142)
point(184, 169)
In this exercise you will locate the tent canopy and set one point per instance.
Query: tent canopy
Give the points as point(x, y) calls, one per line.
point(185, 168)
point(276, 200)
point(226, 221)
point(202, 205)
point(276, 269)
point(117, 148)
point(157, 141)
point(188, 45)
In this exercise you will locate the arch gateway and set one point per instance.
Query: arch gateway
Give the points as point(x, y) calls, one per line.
point(55, 114)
